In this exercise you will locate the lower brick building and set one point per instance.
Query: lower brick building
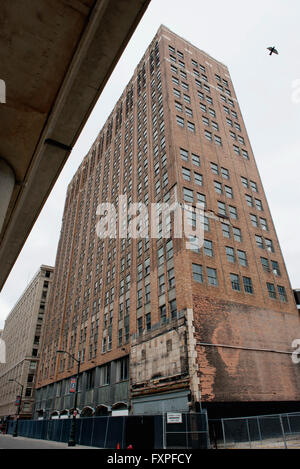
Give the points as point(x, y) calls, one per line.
point(21, 335)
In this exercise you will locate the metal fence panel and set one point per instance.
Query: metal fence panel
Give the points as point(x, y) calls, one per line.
point(112, 432)
point(261, 431)
point(100, 432)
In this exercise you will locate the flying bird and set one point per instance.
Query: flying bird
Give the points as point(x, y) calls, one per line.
point(272, 50)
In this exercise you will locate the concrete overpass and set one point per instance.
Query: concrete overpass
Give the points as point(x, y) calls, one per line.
point(55, 59)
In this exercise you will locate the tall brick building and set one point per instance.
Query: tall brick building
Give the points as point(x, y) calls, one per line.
point(158, 326)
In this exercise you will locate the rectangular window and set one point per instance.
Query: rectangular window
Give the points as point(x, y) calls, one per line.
point(265, 264)
point(271, 290)
point(208, 135)
point(258, 205)
point(248, 285)
point(178, 106)
point(233, 212)
point(160, 256)
point(225, 173)
point(195, 159)
point(222, 208)
point(147, 294)
point(253, 186)
point(201, 198)
point(214, 168)
point(205, 221)
point(237, 234)
point(269, 245)
point(171, 278)
point(249, 200)
point(186, 174)
point(191, 126)
point(264, 224)
point(205, 120)
point(177, 93)
point(194, 243)
point(254, 220)
point(163, 313)
point(173, 309)
point(275, 268)
point(229, 192)
point(259, 241)
point(282, 293)
point(235, 282)
point(189, 112)
point(148, 321)
point(198, 179)
point(208, 248)
point(242, 256)
point(218, 140)
point(197, 273)
point(218, 187)
point(225, 230)
point(122, 369)
point(161, 284)
point(188, 195)
point(230, 254)
point(212, 276)
point(180, 121)
point(184, 154)
point(245, 154)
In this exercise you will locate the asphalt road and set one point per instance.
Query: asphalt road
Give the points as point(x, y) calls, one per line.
point(10, 442)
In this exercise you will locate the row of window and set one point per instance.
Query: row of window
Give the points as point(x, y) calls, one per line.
point(235, 279)
point(222, 85)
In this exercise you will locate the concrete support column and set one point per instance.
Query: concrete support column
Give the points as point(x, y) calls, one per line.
point(7, 183)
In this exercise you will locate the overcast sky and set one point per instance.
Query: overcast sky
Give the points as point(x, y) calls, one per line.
point(268, 89)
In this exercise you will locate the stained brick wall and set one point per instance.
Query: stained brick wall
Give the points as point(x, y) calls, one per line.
point(238, 374)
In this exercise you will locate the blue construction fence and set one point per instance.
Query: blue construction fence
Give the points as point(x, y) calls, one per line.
point(142, 432)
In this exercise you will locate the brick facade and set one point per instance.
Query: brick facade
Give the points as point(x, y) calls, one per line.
point(175, 135)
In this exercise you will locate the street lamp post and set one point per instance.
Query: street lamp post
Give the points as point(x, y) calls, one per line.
point(15, 433)
point(72, 441)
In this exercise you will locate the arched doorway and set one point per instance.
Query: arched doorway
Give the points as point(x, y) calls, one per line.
point(64, 414)
point(102, 411)
point(87, 412)
point(119, 408)
point(77, 412)
point(54, 415)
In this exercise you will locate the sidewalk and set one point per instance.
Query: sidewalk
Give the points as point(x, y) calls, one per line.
point(19, 442)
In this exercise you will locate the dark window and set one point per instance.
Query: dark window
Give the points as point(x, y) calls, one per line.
point(235, 282)
point(248, 285)
point(212, 276)
point(197, 273)
point(271, 290)
point(282, 293)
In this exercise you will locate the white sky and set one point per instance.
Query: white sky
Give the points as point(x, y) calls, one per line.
point(237, 33)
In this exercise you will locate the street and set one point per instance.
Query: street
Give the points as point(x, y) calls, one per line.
point(10, 442)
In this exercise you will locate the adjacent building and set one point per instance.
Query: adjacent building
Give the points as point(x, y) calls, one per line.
point(159, 325)
point(21, 334)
